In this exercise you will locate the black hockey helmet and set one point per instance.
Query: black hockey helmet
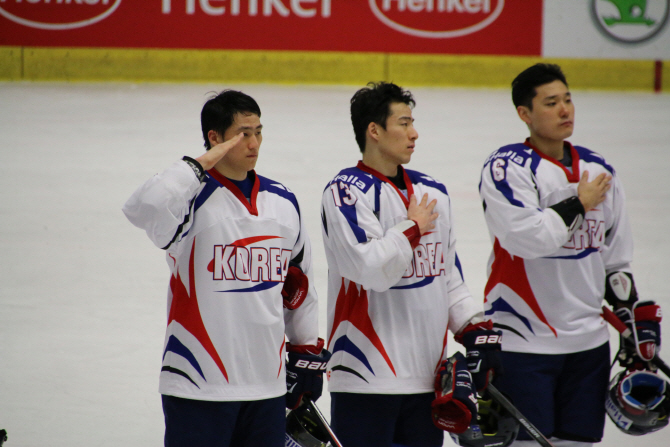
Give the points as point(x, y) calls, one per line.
point(638, 402)
point(303, 429)
point(495, 426)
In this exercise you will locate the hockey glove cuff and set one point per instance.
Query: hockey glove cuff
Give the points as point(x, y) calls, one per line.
point(644, 321)
point(304, 372)
point(571, 211)
point(482, 345)
point(296, 286)
point(620, 289)
point(455, 403)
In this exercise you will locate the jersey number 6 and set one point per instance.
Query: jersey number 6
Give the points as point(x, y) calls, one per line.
point(498, 169)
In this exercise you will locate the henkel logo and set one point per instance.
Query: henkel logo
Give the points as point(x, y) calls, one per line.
point(630, 21)
point(437, 19)
point(57, 14)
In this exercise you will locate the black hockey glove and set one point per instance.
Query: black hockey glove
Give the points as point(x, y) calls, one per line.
point(644, 321)
point(296, 286)
point(304, 372)
point(483, 352)
point(455, 403)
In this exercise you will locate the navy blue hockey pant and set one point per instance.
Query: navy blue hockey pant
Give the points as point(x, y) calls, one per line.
point(199, 423)
point(562, 395)
point(384, 420)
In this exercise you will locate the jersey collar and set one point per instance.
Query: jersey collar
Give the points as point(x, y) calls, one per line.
point(573, 177)
point(410, 189)
point(249, 205)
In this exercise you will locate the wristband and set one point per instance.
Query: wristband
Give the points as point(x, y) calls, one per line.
point(197, 168)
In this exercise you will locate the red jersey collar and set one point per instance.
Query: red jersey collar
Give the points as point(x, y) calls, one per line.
point(250, 206)
point(410, 189)
point(573, 177)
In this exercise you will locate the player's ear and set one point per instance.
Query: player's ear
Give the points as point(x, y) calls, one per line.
point(524, 114)
point(214, 138)
point(373, 131)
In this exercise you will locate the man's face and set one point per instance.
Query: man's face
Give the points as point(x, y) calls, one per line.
point(243, 156)
point(553, 114)
point(397, 141)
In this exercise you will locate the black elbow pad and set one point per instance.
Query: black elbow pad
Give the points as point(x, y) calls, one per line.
point(571, 211)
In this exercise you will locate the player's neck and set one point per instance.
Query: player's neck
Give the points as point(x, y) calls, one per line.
point(375, 160)
point(230, 172)
point(550, 148)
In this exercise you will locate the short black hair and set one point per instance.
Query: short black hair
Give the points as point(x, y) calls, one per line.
point(524, 85)
point(372, 104)
point(218, 113)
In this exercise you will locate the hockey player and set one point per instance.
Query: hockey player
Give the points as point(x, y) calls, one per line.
point(395, 287)
point(241, 279)
point(561, 242)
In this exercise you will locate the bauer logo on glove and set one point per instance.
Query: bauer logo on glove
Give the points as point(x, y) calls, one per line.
point(304, 372)
point(306, 364)
point(482, 345)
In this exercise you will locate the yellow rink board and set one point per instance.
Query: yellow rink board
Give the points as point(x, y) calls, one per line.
point(307, 67)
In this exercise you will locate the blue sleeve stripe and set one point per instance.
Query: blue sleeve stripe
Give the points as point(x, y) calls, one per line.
point(349, 213)
point(534, 163)
point(458, 266)
point(506, 191)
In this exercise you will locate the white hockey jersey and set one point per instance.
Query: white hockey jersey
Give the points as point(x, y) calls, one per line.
point(546, 284)
point(228, 257)
point(389, 306)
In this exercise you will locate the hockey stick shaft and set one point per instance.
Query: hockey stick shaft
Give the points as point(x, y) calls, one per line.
point(520, 418)
point(315, 409)
point(621, 327)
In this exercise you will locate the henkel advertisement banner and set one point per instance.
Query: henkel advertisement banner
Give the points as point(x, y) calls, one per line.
point(607, 29)
point(491, 27)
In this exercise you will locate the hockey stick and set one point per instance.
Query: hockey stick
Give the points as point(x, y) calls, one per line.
point(334, 441)
point(520, 418)
point(627, 335)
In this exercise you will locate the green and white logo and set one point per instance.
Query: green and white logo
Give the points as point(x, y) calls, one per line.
point(630, 21)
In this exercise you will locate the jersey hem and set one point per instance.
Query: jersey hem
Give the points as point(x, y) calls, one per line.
point(566, 345)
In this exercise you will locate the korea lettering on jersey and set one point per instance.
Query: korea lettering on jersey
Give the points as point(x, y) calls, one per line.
point(229, 257)
point(546, 281)
point(388, 306)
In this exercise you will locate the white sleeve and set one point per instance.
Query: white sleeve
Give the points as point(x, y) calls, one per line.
point(364, 253)
point(160, 205)
point(513, 213)
point(302, 324)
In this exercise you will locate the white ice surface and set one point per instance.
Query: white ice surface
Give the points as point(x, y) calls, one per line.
point(82, 291)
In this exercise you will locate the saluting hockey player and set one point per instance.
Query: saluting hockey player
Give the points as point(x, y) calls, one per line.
point(561, 242)
point(241, 278)
point(394, 288)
